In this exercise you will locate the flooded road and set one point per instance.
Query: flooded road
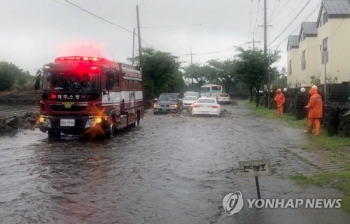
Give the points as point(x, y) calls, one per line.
point(171, 169)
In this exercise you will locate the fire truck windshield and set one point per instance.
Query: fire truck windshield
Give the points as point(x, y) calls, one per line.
point(71, 81)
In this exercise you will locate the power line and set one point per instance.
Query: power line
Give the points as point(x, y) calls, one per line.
point(216, 51)
point(196, 24)
point(280, 10)
point(250, 19)
point(337, 28)
point(317, 6)
point(274, 7)
point(64, 4)
point(107, 21)
point(289, 13)
point(126, 30)
point(290, 22)
point(212, 52)
point(257, 13)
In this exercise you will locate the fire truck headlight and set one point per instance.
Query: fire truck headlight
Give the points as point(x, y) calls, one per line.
point(98, 120)
point(45, 121)
point(93, 121)
point(90, 123)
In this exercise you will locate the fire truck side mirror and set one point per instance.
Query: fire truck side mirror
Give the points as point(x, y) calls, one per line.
point(37, 80)
point(109, 80)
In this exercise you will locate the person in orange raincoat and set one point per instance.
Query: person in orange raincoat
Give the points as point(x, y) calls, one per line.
point(280, 100)
point(315, 107)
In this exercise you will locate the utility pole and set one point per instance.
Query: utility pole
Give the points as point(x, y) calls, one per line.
point(325, 59)
point(191, 61)
point(267, 75)
point(133, 47)
point(191, 65)
point(140, 56)
point(266, 71)
point(253, 42)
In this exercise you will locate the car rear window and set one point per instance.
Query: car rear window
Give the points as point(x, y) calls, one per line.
point(205, 101)
point(168, 97)
point(224, 95)
point(190, 98)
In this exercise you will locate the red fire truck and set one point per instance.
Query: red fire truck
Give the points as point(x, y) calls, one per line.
point(88, 96)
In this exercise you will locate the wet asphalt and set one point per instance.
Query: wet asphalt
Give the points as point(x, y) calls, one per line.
point(173, 168)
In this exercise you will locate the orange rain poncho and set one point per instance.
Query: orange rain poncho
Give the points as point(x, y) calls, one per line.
point(315, 111)
point(315, 104)
point(280, 100)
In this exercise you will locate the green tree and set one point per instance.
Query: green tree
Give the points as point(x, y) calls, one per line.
point(225, 72)
point(160, 72)
point(11, 74)
point(198, 72)
point(251, 68)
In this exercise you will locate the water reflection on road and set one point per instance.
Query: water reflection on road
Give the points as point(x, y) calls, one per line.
point(172, 169)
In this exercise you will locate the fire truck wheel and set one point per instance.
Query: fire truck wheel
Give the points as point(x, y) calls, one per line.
point(110, 132)
point(137, 120)
point(54, 135)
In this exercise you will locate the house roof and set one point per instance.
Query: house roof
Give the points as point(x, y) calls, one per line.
point(335, 9)
point(293, 41)
point(309, 28)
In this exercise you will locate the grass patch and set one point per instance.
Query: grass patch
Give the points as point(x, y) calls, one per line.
point(337, 147)
point(324, 141)
point(307, 148)
point(330, 142)
point(272, 114)
point(338, 180)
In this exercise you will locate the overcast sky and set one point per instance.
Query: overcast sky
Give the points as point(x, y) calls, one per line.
point(34, 32)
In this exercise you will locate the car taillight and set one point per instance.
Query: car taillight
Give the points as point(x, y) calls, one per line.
point(215, 106)
point(195, 105)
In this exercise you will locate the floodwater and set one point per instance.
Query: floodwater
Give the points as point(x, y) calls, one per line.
point(171, 169)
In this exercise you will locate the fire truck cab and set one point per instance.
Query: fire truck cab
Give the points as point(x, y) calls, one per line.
point(88, 96)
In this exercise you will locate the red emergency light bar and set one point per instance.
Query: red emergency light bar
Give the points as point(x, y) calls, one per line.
point(73, 59)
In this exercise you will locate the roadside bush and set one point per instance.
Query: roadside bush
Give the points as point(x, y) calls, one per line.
point(24, 86)
point(333, 113)
point(302, 99)
point(344, 125)
point(290, 106)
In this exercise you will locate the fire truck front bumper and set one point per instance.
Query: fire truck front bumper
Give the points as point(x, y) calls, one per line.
point(71, 124)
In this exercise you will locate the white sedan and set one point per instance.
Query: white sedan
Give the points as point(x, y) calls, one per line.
point(206, 106)
point(223, 98)
point(187, 101)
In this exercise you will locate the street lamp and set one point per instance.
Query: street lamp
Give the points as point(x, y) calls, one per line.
point(325, 72)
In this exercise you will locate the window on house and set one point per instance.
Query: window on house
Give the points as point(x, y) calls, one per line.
point(325, 17)
point(325, 50)
point(290, 67)
point(325, 44)
point(303, 61)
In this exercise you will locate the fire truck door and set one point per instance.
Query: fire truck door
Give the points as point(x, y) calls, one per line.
point(131, 93)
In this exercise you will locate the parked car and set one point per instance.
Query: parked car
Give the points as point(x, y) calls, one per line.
point(168, 102)
point(187, 101)
point(206, 106)
point(223, 98)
